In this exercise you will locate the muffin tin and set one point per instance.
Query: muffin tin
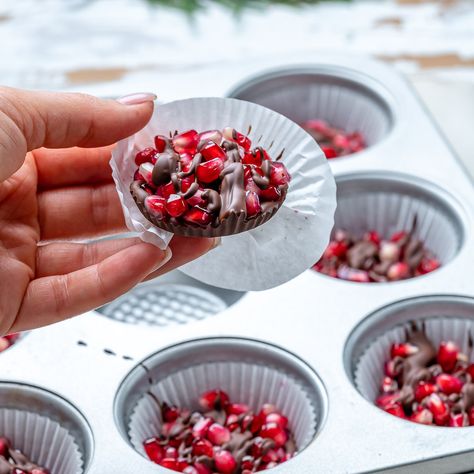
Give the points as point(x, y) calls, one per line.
point(313, 329)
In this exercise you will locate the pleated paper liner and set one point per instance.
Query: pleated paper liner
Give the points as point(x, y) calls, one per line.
point(42, 440)
point(391, 202)
point(343, 97)
point(244, 383)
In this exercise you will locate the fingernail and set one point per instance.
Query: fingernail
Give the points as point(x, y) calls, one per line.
point(166, 258)
point(137, 98)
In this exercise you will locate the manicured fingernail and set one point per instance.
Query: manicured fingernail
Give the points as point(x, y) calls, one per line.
point(137, 98)
point(166, 258)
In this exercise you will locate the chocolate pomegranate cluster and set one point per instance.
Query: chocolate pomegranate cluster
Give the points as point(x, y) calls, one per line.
point(333, 141)
point(204, 179)
point(428, 385)
point(371, 259)
point(13, 461)
point(8, 341)
point(226, 438)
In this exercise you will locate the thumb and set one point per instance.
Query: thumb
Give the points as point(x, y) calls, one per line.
point(29, 120)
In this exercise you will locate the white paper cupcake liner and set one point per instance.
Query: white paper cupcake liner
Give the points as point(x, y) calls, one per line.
point(247, 383)
point(370, 367)
point(388, 203)
point(299, 231)
point(344, 98)
point(42, 440)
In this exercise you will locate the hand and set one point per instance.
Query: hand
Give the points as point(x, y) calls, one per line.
point(50, 195)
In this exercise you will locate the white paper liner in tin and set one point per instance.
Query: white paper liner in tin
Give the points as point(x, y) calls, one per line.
point(251, 384)
point(273, 253)
point(335, 95)
point(391, 211)
point(42, 440)
point(369, 370)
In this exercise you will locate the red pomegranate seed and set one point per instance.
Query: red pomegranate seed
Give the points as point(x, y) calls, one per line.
point(384, 401)
point(156, 206)
point(424, 389)
point(398, 271)
point(335, 249)
point(214, 400)
point(170, 463)
point(470, 371)
point(252, 158)
point(274, 432)
point(210, 151)
point(166, 190)
point(280, 420)
point(186, 142)
point(248, 462)
point(176, 205)
point(317, 125)
point(196, 199)
point(218, 434)
point(232, 422)
point(389, 385)
point(171, 452)
point(439, 409)
point(160, 143)
point(202, 468)
point(153, 450)
point(329, 151)
point(341, 141)
point(145, 156)
point(190, 470)
point(449, 384)
point(201, 427)
point(225, 462)
point(397, 236)
point(197, 216)
point(232, 134)
point(279, 174)
point(403, 350)
point(186, 183)
point(211, 135)
point(458, 420)
point(146, 169)
point(202, 447)
point(428, 265)
point(39, 470)
point(396, 410)
point(373, 236)
point(270, 194)
point(4, 446)
point(209, 171)
point(268, 408)
point(252, 203)
point(237, 409)
point(17, 470)
point(471, 416)
point(448, 355)
point(137, 176)
point(424, 416)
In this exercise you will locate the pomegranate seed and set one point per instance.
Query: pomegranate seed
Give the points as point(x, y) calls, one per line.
point(237, 409)
point(232, 134)
point(428, 265)
point(458, 420)
point(393, 368)
point(202, 468)
point(268, 408)
point(396, 410)
point(387, 400)
point(449, 384)
point(145, 156)
point(274, 432)
point(170, 463)
point(171, 452)
point(4, 446)
point(185, 159)
point(439, 409)
point(137, 176)
point(341, 141)
point(248, 462)
point(186, 142)
point(196, 199)
point(470, 371)
point(397, 236)
point(39, 470)
point(232, 422)
point(156, 206)
point(398, 271)
point(351, 274)
point(389, 252)
point(424, 389)
point(424, 416)
point(201, 427)
point(317, 125)
point(336, 249)
point(257, 422)
point(153, 450)
point(197, 216)
point(270, 194)
point(190, 470)
point(218, 434)
point(373, 236)
point(389, 385)
point(252, 158)
point(211, 135)
point(279, 174)
point(167, 428)
point(280, 420)
point(403, 350)
point(471, 416)
point(329, 151)
point(209, 171)
point(202, 447)
point(270, 456)
point(252, 203)
point(214, 400)
point(166, 190)
point(146, 169)
point(17, 470)
point(176, 205)
point(448, 355)
point(210, 151)
point(160, 143)
point(225, 462)
point(186, 183)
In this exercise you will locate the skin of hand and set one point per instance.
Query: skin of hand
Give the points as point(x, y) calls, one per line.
point(62, 192)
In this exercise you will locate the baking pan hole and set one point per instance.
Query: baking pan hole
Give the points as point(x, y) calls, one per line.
point(390, 202)
point(249, 371)
point(440, 317)
point(47, 428)
point(171, 299)
point(345, 98)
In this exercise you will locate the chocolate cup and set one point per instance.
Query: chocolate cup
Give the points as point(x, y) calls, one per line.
point(234, 224)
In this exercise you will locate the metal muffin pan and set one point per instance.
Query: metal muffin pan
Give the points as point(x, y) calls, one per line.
point(88, 358)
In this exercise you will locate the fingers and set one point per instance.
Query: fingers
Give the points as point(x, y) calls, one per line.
point(184, 250)
point(80, 212)
point(52, 299)
point(72, 166)
point(30, 120)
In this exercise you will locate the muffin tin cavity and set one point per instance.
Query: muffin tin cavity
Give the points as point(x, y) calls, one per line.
point(172, 299)
point(248, 371)
point(46, 428)
point(345, 98)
